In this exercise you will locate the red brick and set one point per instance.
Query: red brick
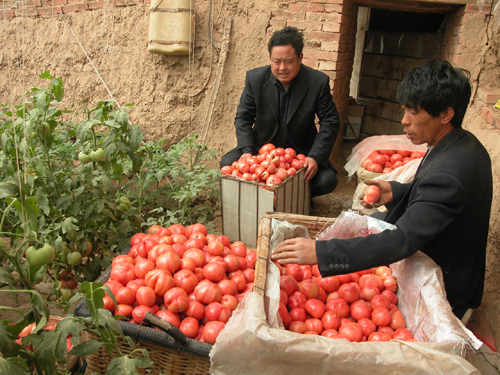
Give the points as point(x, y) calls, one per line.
point(329, 8)
point(332, 27)
point(25, 12)
point(327, 65)
point(95, 5)
point(472, 8)
point(49, 11)
point(496, 121)
point(302, 25)
point(487, 96)
point(277, 23)
point(322, 55)
point(485, 111)
point(280, 14)
point(323, 17)
point(74, 8)
point(306, 7)
point(50, 3)
point(8, 13)
point(310, 63)
point(326, 37)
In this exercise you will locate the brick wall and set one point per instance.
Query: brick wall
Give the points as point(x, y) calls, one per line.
point(11, 9)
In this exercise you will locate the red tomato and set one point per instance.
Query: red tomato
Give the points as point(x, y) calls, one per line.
point(372, 194)
point(238, 278)
point(329, 284)
point(145, 296)
point(179, 249)
point(157, 250)
point(195, 310)
point(284, 315)
point(135, 284)
point(124, 310)
point(169, 316)
point(339, 306)
point(226, 170)
point(249, 275)
point(159, 280)
point(381, 316)
point(139, 312)
point(168, 261)
point(108, 303)
point(143, 267)
point(212, 330)
point(177, 228)
point(122, 273)
point(315, 325)
point(295, 271)
point(196, 243)
point(310, 288)
point(397, 320)
point(367, 326)
point(349, 292)
point(113, 285)
point(351, 332)
point(386, 329)
point(297, 299)
point(228, 287)
point(229, 301)
point(368, 292)
point(136, 238)
point(298, 313)
point(176, 299)
point(360, 309)
point(390, 283)
point(344, 279)
point(297, 326)
point(207, 292)
point(402, 334)
point(189, 326)
point(213, 272)
point(393, 298)
point(374, 167)
point(396, 157)
point(188, 264)
point(289, 284)
point(315, 308)
point(217, 311)
point(239, 250)
point(186, 280)
point(215, 248)
point(197, 255)
point(196, 228)
point(123, 259)
point(330, 320)
point(125, 296)
point(380, 301)
point(379, 336)
point(232, 263)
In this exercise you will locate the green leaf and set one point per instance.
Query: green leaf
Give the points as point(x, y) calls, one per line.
point(54, 342)
point(46, 75)
point(94, 293)
point(126, 365)
point(8, 189)
point(42, 201)
point(68, 226)
point(39, 303)
point(6, 276)
point(86, 348)
point(13, 365)
point(8, 347)
point(108, 213)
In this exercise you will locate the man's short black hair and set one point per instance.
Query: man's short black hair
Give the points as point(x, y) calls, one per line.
point(286, 36)
point(436, 86)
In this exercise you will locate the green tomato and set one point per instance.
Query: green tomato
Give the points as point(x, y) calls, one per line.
point(75, 258)
point(66, 294)
point(3, 249)
point(122, 207)
point(39, 257)
point(97, 155)
point(124, 200)
point(84, 158)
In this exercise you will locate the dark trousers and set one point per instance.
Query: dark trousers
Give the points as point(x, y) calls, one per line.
point(323, 182)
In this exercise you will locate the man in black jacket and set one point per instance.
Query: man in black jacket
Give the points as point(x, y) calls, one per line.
point(279, 104)
point(444, 212)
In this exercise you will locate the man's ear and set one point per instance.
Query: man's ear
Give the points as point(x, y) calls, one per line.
point(447, 115)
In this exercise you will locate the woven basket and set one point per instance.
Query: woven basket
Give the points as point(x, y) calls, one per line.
point(166, 361)
point(168, 356)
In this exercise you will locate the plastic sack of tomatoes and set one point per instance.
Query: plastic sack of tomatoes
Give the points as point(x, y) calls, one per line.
point(265, 347)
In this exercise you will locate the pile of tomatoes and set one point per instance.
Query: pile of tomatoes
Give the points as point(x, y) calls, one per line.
point(271, 166)
point(385, 161)
point(184, 275)
point(360, 306)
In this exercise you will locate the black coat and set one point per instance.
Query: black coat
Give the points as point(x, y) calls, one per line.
point(257, 115)
point(444, 213)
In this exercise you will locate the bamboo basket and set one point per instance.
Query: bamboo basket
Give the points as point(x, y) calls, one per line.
point(313, 224)
point(166, 361)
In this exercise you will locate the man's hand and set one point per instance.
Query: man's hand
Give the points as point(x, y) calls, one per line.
point(296, 250)
point(385, 193)
point(312, 168)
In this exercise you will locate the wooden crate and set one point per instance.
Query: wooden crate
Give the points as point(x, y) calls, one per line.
point(244, 203)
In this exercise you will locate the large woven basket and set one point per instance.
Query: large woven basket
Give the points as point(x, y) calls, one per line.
point(169, 357)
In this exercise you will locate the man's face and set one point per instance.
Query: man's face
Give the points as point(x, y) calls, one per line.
point(285, 64)
point(420, 127)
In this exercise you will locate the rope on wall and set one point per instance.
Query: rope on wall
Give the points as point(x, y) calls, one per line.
point(90, 60)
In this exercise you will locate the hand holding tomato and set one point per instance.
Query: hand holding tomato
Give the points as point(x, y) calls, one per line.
point(312, 168)
point(296, 250)
point(385, 193)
